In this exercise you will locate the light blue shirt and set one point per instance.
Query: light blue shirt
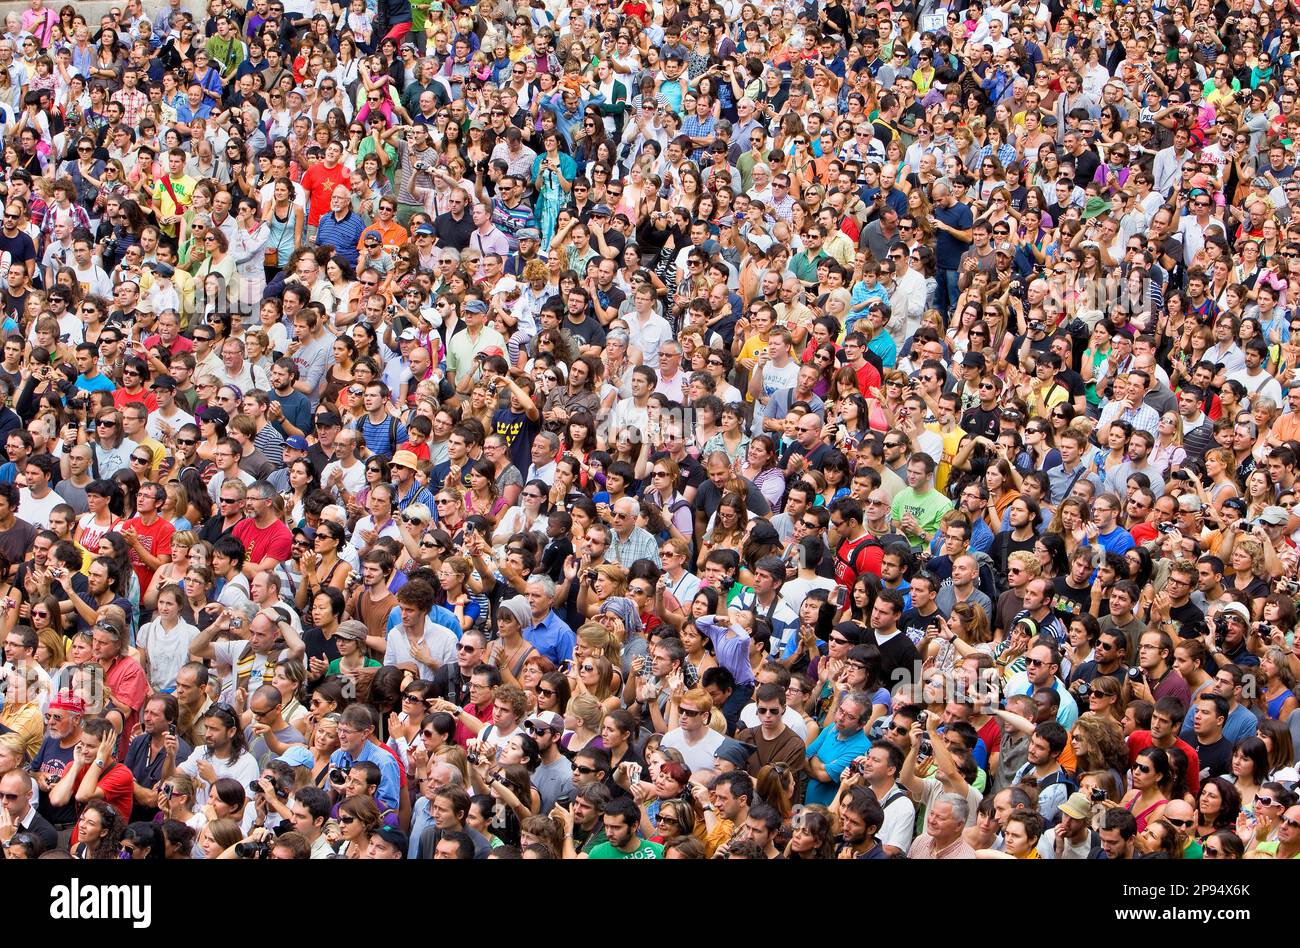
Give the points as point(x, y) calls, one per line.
point(390, 780)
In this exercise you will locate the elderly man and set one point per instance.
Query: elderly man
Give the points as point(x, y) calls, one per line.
point(630, 542)
point(548, 633)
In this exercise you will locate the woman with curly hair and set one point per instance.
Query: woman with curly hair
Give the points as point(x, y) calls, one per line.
point(1249, 572)
point(1217, 807)
point(99, 830)
point(1098, 744)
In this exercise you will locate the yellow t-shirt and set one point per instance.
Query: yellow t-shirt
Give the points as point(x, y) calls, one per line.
point(951, 442)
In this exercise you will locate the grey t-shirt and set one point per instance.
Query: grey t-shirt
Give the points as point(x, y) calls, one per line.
point(553, 781)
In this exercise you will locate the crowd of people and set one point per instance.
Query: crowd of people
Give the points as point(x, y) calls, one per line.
point(718, 429)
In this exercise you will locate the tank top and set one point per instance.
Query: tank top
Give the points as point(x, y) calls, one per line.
point(281, 238)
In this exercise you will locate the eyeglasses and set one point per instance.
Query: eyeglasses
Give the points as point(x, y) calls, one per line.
point(106, 423)
point(581, 769)
point(139, 460)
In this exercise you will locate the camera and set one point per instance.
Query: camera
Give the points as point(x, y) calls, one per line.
point(474, 758)
point(255, 787)
point(1220, 629)
point(927, 748)
point(253, 849)
point(493, 387)
point(1097, 795)
point(922, 718)
point(77, 403)
point(1166, 527)
point(109, 245)
point(1263, 629)
point(1082, 689)
point(590, 576)
point(1134, 673)
point(856, 767)
point(339, 775)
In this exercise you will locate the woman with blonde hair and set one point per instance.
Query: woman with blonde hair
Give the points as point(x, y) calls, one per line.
point(1168, 452)
point(1277, 692)
point(610, 581)
point(594, 676)
point(965, 632)
point(1071, 518)
point(583, 718)
point(595, 640)
point(1248, 572)
point(51, 651)
point(173, 571)
point(1221, 468)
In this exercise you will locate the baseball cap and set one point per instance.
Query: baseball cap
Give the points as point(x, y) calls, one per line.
point(409, 335)
point(547, 719)
point(372, 237)
point(475, 306)
point(217, 416)
point(602, 210)
point(164, 381)
point(1005, 248)
point(1274, 516)
point(973, 360)
point(424, 230)
point(296, 755)
point(1078, 806)
point(395, 838)
point(297, 442)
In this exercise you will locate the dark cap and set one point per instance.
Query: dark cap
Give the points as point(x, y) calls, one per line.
point(215, 415)
point(164, 381)
point(329, 419)
point(602, 210)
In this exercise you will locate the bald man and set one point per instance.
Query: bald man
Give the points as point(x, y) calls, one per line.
point(341, 228)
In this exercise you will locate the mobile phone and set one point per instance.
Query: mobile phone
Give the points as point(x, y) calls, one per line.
point(171, 729)
point(841, 597)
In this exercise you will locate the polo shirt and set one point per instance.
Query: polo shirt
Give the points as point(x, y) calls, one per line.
point(836, 754)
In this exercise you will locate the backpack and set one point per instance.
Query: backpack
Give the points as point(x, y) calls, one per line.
point(360, 428)
point(848, 562)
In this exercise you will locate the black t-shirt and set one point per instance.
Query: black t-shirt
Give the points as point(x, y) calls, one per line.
point(317, 646)
point(1036, 346)
point(590, 331)
point(1185, 616)
point(52, 759)
point(1004, 544)
point(915, 625)
point(453, 233)
point(1072, 382)
point(1216, 757)
point(1085, 166)
point(519, 432)
point(978, 421)
point(1067, 601)
point(708, 498)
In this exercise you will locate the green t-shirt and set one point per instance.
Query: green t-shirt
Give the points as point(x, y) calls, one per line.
point(928, 509)
point(334, 665)
point(644, 850)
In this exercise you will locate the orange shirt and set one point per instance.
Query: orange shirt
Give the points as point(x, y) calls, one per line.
point(393, 235)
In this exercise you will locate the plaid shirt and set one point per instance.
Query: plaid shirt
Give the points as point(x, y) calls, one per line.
point(695, 128)
point(133, 102)
point(640, 545)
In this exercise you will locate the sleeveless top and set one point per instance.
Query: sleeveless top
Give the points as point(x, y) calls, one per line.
point(281, 238)
point(1142, 817)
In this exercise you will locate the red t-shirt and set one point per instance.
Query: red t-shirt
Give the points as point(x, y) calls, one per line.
point(118, 788)
point(868, 378)
point(1139, 741)
point(122, 398)
point(127, 680)
point(156, 538)
point(849, 565)
point(275, 541)
point(179, 344)
point(320, 183)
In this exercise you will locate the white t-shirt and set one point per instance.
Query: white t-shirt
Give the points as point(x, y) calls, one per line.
point(37, 512)
point(244, 769)
point(168, 650)
point(698, 756)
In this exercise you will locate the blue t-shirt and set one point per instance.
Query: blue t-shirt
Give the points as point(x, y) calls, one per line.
point(835, 755)
point(384, 437)
point(947, 248)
